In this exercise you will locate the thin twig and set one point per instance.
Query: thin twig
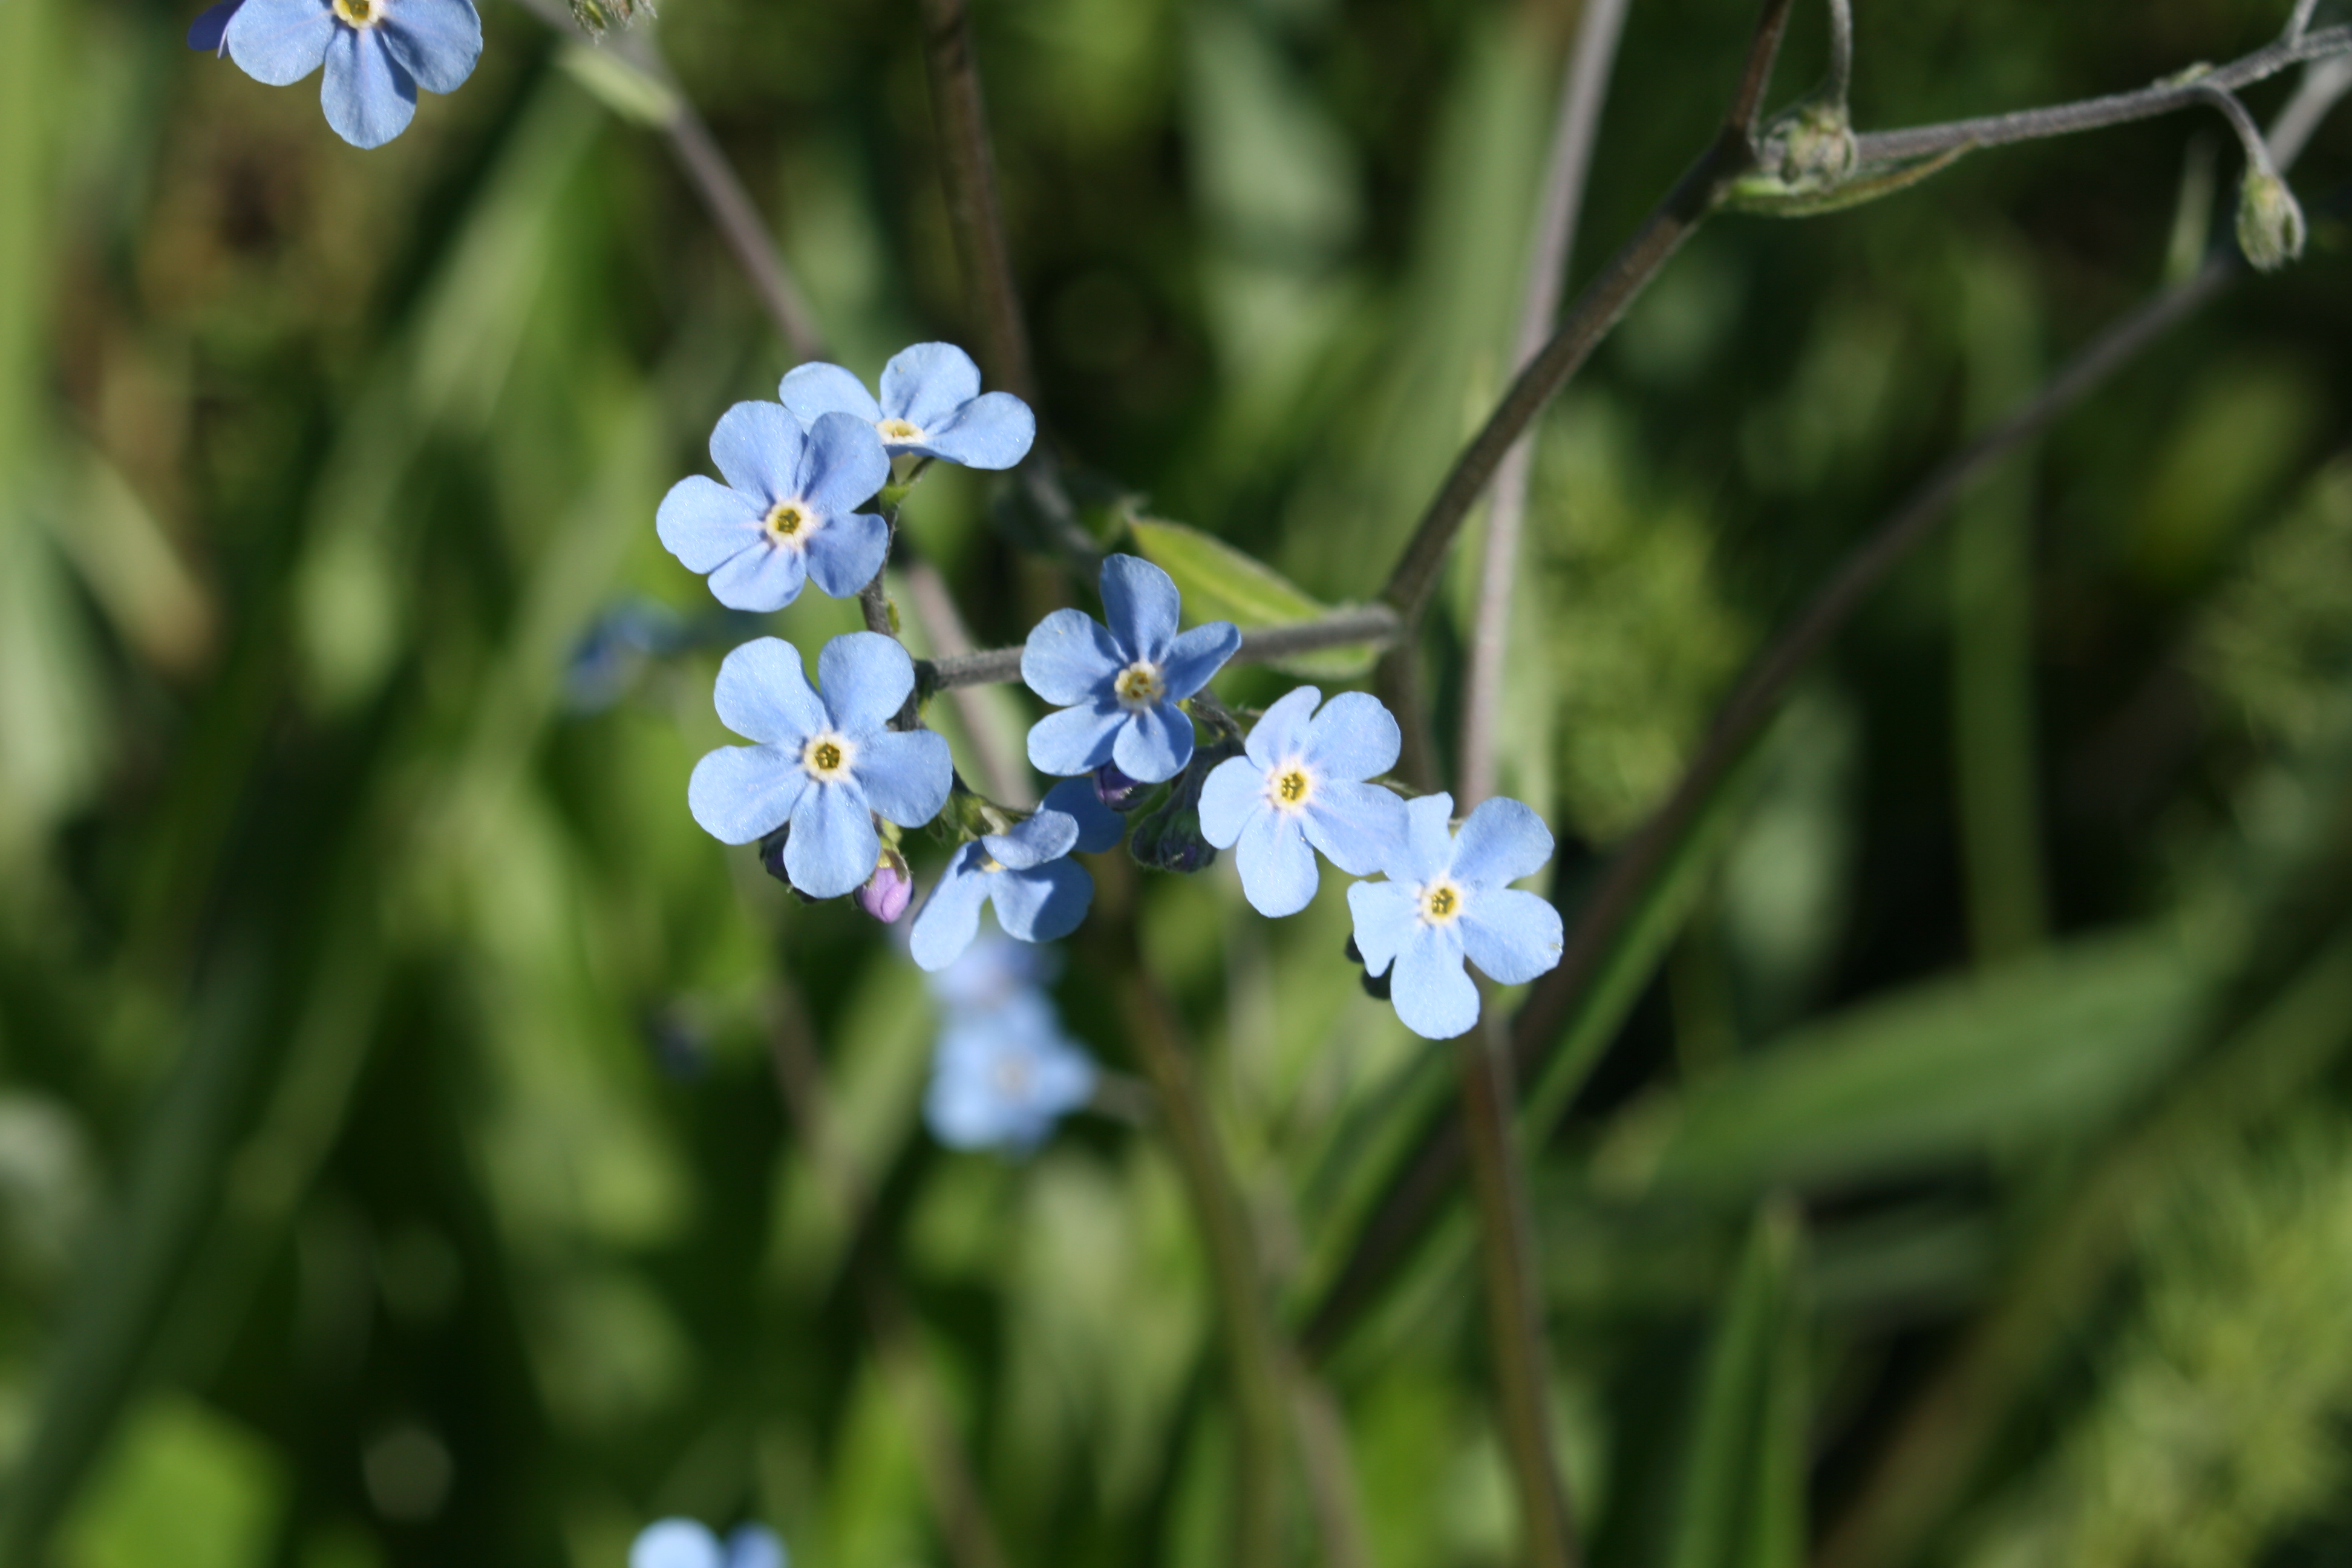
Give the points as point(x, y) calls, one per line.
point(1589, 319)
point(2095, 113)
point(934, 610)
point(1583, 91)
point(975, 212)
point(1840, 82)
point(2250, 135)
point(2300, 23)
point(948, 1474)
point(1522, 1365)
point(1424, 1184)
point(1375, 624)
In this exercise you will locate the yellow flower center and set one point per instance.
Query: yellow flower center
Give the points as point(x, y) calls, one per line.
point(1139, 685)
point(825, 756)
point(786, 519)
point(1440, 903)
point(358, 13)
point(898, 432)
point(1292, 785)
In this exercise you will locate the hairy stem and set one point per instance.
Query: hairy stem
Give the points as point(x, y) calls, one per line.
point(973, 210)
point(1374, 624)
point(1840, 82)
point(948, 1475)
point(1522, 1365)
point(1583, 91)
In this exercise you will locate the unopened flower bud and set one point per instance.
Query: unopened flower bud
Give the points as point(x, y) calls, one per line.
point(2270, 221)
point(1816, 145)
point(887, 892)
point(771, 860)
point(1170, 838)
point(1117, 790)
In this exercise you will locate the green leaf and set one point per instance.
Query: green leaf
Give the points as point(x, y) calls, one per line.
point(1942, 1072)
point(1743, 1503)
point(1221, 584)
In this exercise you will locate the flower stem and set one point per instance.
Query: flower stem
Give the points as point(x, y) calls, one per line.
point(1374, 624)
point(1513, 1311)
point(975, 212)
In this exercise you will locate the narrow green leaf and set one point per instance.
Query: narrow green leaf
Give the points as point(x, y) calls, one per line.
point(1221, 584)
point(1743, 1492)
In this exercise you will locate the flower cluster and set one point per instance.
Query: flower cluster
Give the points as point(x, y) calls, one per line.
point(1004, 1071)
point(836, 772)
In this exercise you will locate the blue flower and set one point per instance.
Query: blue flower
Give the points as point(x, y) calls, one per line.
point(377, 54)
point(1120, 686)
point(931, 406)
point(1300, 782)
point(788, 512)
point(823, 763)
point(1099, 828)
point(1447, 899)
point(209, 31)
point(1003, 1076)
point(1038, 893)
point(684, 1544)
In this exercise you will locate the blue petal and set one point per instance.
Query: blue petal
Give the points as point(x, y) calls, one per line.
point(1041, 836)
point(1280, 733)
point(1512, 935)
point(843, 465)
point(1500, 842)
point(758, 446)
point(435, 41)
point(763, 578)
point(279, 41)
point(741, 793)
point(995, 431)
point(1069, 658)
point(925, 384)
point(1230, 795)
point(1043, 903)
point(209, 31)
point(1099, 828)
point(1076, 740)
point(1353, 738)
point(1426, 850)
point(1386, 914)
point(1356, 825)
point(705, 524)
point(1139, 605)
point(843, 554)
point(1154, 744)
point(834, 847)
point(1278, 874)
point(1198, 655)
point(368, 98)
point(950, 915)
point(755, 1546)
point(866, 678)
point(676, 1543)
point(1435, 996)
point(763, 694)
point(812, 391)
point(906, 777)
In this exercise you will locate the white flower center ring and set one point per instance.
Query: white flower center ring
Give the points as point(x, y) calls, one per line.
point(898, 432)
point(359, 12)
point(1290, 787)
point(1138, 686)
point(827, 756)
point(788, 522)
point(1441, 903)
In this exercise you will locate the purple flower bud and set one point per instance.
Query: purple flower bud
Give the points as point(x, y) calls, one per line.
point(887, 892)
point(1117, 790)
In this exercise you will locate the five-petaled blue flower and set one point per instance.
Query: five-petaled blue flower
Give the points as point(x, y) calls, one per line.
point(932, 406)
point(685, 1544)
point(1447, 898)
point(824, 763)
point(788, 512)
point(1003, 1075)
point(1301, 782)
point(377, 54)
point(1120, 686)
point(1024, 873)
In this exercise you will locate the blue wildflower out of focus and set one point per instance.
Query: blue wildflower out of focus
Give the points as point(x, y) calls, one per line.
point(686, 1544)
point(376, 54)
point(612, 657)
point(1004, 1070)
point(209, 31)
point(1024, 873)
point(1118, 685)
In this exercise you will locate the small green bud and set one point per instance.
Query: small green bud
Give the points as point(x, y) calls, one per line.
point(1810, 147)
point(2270, 221)
point(596, 17)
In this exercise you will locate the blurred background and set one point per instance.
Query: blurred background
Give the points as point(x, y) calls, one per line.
point(391, 1169)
